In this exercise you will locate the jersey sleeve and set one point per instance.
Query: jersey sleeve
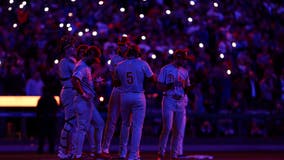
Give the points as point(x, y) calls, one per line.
point(78, 73)
point(147, 70)
point(162, 76)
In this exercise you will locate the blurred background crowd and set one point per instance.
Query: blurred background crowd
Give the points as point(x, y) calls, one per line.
point(236, 48)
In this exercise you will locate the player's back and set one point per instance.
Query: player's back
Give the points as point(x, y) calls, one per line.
point(65, 70)
point(131, 74)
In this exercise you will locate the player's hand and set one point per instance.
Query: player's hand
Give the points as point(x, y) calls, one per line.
point(86, 96)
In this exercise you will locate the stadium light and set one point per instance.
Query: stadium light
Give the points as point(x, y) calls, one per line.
point(168, 12)
point(216, 4)
point(153, 56)
point(229, 72)
point(101, 99)
point(101, 3)
point(15, 25)
point(46, 9)
point(109, 62)
point(61, 25)
point(189, 19)
point(171, 51)
point(122, 9)
point(56, 61)
point(80, 34)
point(94, 33)
point(143, 37)
point(141, 15)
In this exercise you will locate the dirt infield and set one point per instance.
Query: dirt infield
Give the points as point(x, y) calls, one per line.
point(152, 156)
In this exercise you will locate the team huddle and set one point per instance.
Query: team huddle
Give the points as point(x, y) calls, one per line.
point(127, 100)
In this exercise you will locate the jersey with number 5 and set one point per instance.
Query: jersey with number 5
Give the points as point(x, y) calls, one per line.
point(132, 73)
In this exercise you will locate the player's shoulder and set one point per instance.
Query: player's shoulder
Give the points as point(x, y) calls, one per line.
point(66, 60)
point(141, 61)
point(120, 64)
point(80, 64)
point(182, 69)
point(115, 57)
point(63, 60)
point(169, 66)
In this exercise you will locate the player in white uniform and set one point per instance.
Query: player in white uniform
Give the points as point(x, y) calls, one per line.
point(81, 49)
point(174, 81)
point(66, 66)
point(113, 104)
point(86, 113)
point(129, 76)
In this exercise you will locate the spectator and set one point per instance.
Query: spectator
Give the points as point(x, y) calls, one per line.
point(46, 116)
point(34, 85)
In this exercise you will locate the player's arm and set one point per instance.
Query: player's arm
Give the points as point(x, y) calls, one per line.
point(149, 75)
point(116, 82)
point(77, 85)
point(152, 79)
point(188, 87)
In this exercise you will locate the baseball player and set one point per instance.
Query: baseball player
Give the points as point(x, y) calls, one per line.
point(84, 101)
point(66, 66)
point(81, 49)
point(173, 80)
point(113, 105)
point(129, 76)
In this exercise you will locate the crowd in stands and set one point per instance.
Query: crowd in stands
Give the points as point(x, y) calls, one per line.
point(236, 47)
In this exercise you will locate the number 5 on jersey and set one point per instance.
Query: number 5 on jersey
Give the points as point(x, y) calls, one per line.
point(129, 77)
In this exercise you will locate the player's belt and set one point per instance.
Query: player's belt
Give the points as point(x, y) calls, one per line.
point(176, 97)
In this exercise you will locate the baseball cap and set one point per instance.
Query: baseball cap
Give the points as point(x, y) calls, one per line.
point(93, 50)
point(123, 40)
point(82, 47)
point(180, 54)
